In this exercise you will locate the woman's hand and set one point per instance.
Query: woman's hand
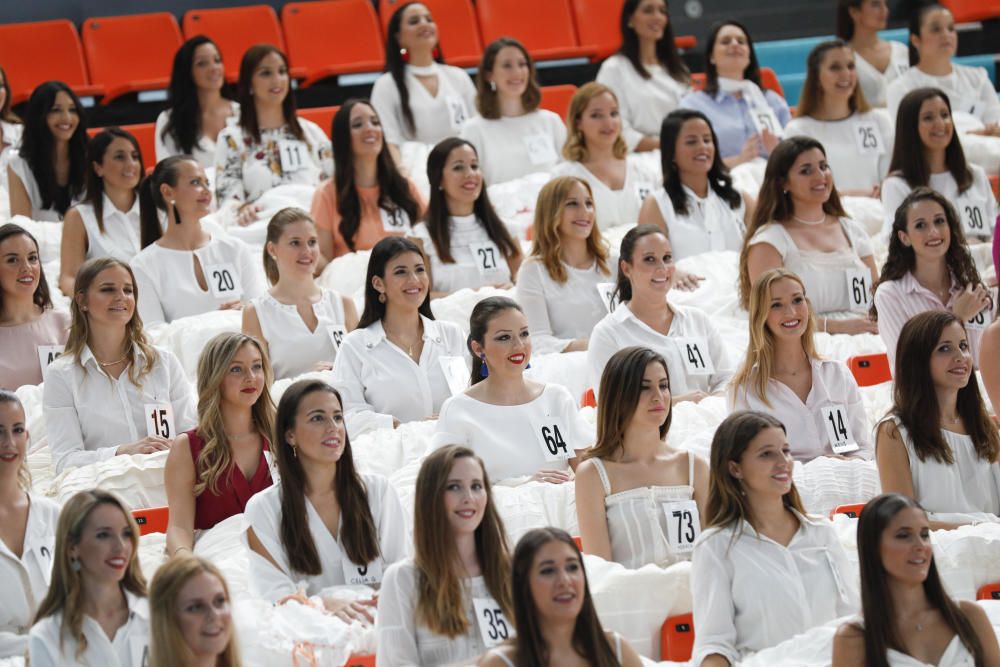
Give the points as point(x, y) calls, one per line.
point(323, 366)
point(247, 214)
point(970, 302)
point(148, 445)
point(696, 396)
point(231, 305)
point(552, 476)
point(351, 610)
point(852, 326)
point(770, 140)
point(685, 281)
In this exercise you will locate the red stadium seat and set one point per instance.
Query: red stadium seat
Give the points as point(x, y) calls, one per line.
point(579, 542)
point(588, 400)
point(968, 11)
point(145, 134)
point(677, 638)
point(989, 591)
point(152, 519)
point(597, 24)
point(128, 54)
point(556, 98)
point(32, 53)
point(870, 369)
point(548, 35)
point(322, 116)
point(458, 33)
point(769, 81)
point(853, 511)
point(361, 660)
point(234, 30)
point(330, 37)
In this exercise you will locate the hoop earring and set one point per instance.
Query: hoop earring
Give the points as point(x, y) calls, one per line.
point(484, 372)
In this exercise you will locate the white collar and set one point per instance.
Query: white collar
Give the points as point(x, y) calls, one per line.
point(375, 333)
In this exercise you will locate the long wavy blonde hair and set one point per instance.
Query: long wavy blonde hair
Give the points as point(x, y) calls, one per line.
point(575, 148)
point(547, 245)
point(23, 473)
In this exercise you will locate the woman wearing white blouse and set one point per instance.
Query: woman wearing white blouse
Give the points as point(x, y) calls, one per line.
point(938, 444)
point(301, 325)
point(27, 532)
point(697, 359)
point(95, 612)
point(111, 392)
point(429, 606)
point(817, 400)
point(325, 526)
point(512, 135)
point(467, 243)
point(182, 269)
point(879, 62)
point(398, 343)
point(763, 571)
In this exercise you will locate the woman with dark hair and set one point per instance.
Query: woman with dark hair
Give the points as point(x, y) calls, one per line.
point(467, 243)
point(106, 223)
point(799, 224)
point(11, 126)
point(419, 98)
point(368, 198)
point(32, 331)
point(747, 119)
point(632, 475)
point(908, 618)
point(647, 74)
point(938, 444)
point(879, 62)
point(990, 349)
point(271, 145)
point(763, 571)
point(398, 343)
point(48, 174)
point(520, 428)
point(554, 614)
point(513, 136)
point(438, 607)
point(697, 205)
point(833, 110)
point(325, 525)
point(198, 107)
point(929, 268)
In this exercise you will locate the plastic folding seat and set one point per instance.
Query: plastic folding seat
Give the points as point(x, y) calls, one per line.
point(769, 81)
point(870, 369)
point(556, 98)
point(989, 591)
point(330, 37)
point(458, 33)
point(145, 134)
point(128, 54)
point(548, 34)
point(361, 660)
point(852, 511)
point(597, 24)
point(677, 638)
point(967, 11)
point(234, 30)
point(322, 116)
point(152, 519)
point(32, 53)
point(588, 400)
point(578, 541)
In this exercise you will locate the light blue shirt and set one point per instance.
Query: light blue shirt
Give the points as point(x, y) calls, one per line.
point(731, 118)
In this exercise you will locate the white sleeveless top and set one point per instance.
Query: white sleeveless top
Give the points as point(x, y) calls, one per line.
point(618, 651)
point(955, 654)
point(637, 524)
point(293, 348)
point(120, 238)
point(710, 223)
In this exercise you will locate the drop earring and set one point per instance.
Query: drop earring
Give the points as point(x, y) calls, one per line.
point(405, 55)
point(484, 372)
point(493, 86)
point(74, 564)
point(381, 297)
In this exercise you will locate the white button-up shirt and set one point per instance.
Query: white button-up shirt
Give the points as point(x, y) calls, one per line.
point(120, 238)
point(129, 648)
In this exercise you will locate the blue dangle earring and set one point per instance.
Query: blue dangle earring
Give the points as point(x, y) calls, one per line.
point(484, 372)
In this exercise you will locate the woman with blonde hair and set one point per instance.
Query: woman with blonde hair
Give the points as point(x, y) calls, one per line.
point(95, 612)
point(112, 392)
point(214, 469)
point(190, 616)
point(431, 605)
point(816, 399)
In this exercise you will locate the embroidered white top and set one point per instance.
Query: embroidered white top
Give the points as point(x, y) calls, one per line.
point(435, 118)
point(710, 223)
point(292, 347)
point(478, 260)
point(514, 146)
point(614, 207)
point(121, 235)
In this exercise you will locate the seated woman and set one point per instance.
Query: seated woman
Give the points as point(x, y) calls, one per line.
point(747, 120)
point(757, 536)
point(697, 205)
point(27, 531)
point(95, 612)
point(368, 198)
point(190, 616)
point(698, 362)
point(990, 347)
point(800, 225)
point(214, 469)
point(898, 575)
point(879, 62)
point(512, 135)
point(198, 109)
point(11, 127)
point(647, 74)
point(564, 628)
point(519, 427)
point(465, 240)
point(833, 110)
point(938, 444)
point(559, 284)
point(112, 392)
point(398, 343)
point(817, 400)
point(300, 324)
point(428, 604)
point(929, 268)
point(48, 174)
point(184, 270)
point(271, 145)
point(419, 98)
point(325, 525)
point(106, 223)
point(632, 482)
point(32, 331)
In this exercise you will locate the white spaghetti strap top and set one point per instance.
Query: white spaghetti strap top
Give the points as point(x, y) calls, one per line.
point(292, 347)
point(618, 651)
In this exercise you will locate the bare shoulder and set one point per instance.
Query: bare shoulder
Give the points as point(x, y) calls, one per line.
point(495, 658)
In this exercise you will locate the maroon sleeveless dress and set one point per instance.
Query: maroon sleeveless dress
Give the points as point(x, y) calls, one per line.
point(235, 490)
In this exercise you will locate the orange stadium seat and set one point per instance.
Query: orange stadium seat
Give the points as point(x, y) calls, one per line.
point(677, 638)
point(588, 400)
point(853, 511)
point(597, 24)
point(152, 519)
point(769, 81)
point(361, 660)
point(128, 54)
point(870, 369)
point(322, 116)
point(458, 33)
point(549, 35)
point(556, 98)
point(32, 53)
point(234, 30)
point(989, 591)
point(968, 11)
point(145, 134)
point(330, 37)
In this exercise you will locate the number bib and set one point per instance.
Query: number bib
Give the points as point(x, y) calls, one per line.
point(858, 292)
point(979, 321)
point(159, 420)
point(456, 374)
point(336, 333)
point(364, 575)
point(550, 438)
point(607, 292)
point(293, 154)
point(540, 149)
point(486, 257)
point(457, 115)
point(683, 525)
point(695, 355)
point(395, 219)
point(643, 190)
point(493, 627)
point(46, 355)
point(973, 217)
point(838, 429)
point(867, 138)
point(224, 281)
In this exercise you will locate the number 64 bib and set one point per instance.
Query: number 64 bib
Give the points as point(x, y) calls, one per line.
point(551, 438)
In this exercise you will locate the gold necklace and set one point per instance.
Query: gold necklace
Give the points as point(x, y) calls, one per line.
point(395, 338)
point(105, 364)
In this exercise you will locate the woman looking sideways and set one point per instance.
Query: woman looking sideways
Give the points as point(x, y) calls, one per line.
point(879, 61)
